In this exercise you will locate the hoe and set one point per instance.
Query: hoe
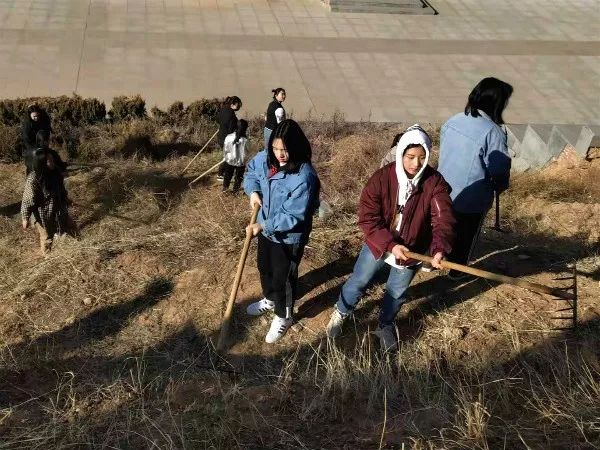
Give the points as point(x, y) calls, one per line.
point(562, 294)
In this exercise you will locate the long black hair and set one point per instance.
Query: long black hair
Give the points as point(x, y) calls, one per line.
point(296, 144)
point(42, 138)
point(491, 96)
point(39, 163)
point(240, 131)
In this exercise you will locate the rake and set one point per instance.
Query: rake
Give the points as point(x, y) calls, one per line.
point(568, 294)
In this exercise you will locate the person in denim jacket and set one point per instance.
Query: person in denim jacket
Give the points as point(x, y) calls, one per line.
point(475, 162)
point(283, 182)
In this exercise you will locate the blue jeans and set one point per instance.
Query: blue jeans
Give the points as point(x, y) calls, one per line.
point(365, 269)
point(267, 135)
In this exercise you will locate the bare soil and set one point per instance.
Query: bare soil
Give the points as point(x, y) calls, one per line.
point(108, 342)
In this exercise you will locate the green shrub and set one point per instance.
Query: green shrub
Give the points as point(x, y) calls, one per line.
point(127, 108)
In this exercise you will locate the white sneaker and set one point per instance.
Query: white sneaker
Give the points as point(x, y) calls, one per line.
point(260, 307)
point(278, 329)
point(334, 327)
point(387, 337)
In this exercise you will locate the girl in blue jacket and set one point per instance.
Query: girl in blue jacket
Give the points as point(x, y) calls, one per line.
point(475, 161)
point(283, 182)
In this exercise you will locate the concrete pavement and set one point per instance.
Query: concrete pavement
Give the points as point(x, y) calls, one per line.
point(370, 66)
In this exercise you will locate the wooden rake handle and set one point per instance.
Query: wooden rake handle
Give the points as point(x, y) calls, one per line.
point(539, 288)
point(198, 154)
point(236, 284)
point(205, 172)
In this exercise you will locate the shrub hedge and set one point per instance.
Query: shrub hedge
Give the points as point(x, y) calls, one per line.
point(72, 116)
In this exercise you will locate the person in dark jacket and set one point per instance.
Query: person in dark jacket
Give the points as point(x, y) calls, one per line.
point(405, 206)
point(42, 143)
point(228, 123)
point(37, 119)
point(275, 113)
point(474, 159)
point(45, 197)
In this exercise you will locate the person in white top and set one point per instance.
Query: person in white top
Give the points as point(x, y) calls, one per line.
point(275, 113)
point(234, 155)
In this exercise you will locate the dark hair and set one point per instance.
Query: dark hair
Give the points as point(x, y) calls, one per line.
point(42, 138)
point(240, 131)
point(276, 91)
point(396, 139)
point(40, 156)
point(295, 142)
point(233, 100)
point(34, 107)
point(491, 96)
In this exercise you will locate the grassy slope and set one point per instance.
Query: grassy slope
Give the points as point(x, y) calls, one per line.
point(107, 341)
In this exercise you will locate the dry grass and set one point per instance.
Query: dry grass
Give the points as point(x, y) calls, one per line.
point(107, 342)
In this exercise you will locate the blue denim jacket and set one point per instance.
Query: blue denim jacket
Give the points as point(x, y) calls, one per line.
point(474, 160)
point(289, 200)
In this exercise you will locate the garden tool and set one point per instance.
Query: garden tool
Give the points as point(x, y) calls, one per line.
point(236, 284)
point(198, 154)
point(562, 294)
point(207, 171)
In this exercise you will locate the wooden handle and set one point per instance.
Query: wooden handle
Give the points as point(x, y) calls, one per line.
point(236, 284)
point(497, 220)
point(198, 154)
point(207, 171)
point(539, 288)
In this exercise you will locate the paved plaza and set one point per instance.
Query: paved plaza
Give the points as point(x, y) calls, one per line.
point(380, 67)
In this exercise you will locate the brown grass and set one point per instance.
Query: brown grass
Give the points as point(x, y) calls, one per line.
point(108, 341)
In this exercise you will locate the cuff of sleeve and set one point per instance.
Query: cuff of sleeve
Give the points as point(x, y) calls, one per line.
point(390, 246)
point(267, 229)
point(434, 250)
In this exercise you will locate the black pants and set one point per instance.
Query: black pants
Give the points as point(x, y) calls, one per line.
point(278, 267)
point(467, 228)
point(221, 170)
point(228, 172)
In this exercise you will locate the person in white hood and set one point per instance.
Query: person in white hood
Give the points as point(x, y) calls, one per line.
point(405, 206)
point(234, 154)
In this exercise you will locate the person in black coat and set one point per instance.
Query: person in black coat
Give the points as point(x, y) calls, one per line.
point(228, 123)
point(36, 120)
point(275, 113)
point(42, 139)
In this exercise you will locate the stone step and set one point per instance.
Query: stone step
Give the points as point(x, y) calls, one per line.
point(380, 6)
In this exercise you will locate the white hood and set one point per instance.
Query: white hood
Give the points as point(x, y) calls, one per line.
point(406, 186)
point(413, 135)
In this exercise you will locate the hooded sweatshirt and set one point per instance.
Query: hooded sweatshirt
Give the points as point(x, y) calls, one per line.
point(234, 150)
point(414, 135)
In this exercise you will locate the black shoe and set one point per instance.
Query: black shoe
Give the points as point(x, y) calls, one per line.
point(455, 275)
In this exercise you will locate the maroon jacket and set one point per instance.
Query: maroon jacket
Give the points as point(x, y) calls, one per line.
point(427, 219)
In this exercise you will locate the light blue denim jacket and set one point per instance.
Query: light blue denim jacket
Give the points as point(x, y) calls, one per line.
point(289, 200)
point(474, 160)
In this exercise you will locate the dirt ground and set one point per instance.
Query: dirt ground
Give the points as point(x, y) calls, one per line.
point(108, 341)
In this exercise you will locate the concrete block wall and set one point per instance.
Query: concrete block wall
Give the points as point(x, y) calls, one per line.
point(533, 146)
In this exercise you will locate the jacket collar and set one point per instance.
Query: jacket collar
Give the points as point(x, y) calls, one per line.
point(394, 178)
